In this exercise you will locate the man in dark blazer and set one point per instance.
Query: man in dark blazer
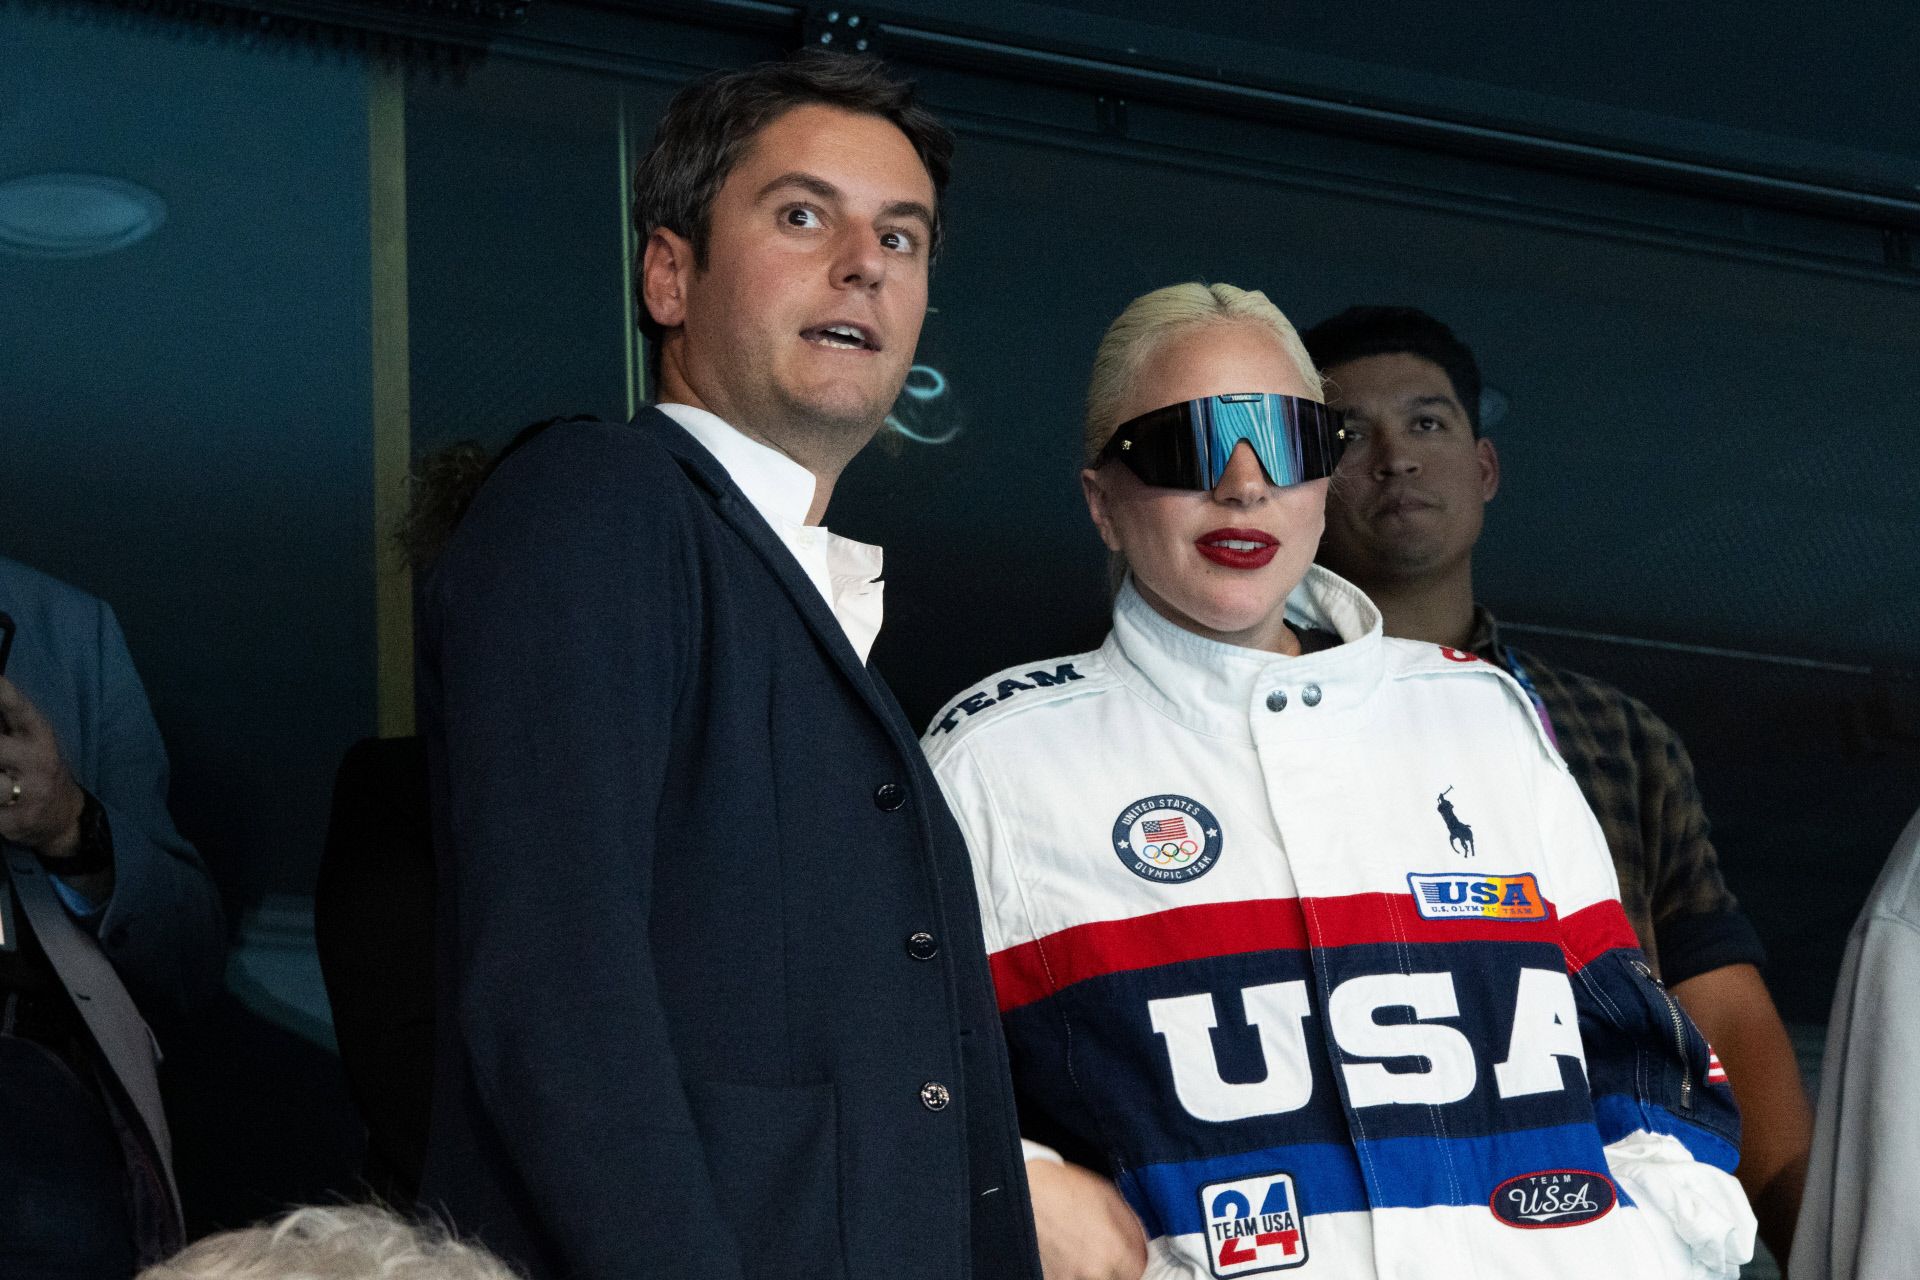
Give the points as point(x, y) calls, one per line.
point(107, 921)
point(712, 999)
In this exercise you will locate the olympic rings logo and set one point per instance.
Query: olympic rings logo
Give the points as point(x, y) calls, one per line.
point(1171, 854)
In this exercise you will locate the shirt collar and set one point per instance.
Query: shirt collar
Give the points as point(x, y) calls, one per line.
point(779, 488)
point(845, 572)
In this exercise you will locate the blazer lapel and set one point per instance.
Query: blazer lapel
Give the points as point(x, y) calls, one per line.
point(102, 1002)
point(733, 507)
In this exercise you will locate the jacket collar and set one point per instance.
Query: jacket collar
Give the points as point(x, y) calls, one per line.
point(737, 511)
point(779, 488)
point(1229, 692)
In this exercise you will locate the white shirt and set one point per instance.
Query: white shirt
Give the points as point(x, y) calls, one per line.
point(846, 573)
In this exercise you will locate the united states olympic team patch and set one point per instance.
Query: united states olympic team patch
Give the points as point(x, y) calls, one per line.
point(1167, 839)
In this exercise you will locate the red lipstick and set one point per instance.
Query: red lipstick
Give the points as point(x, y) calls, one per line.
point(1237, 548)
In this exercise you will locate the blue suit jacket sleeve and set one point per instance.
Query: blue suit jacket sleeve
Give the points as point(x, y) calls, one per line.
point(162, 928)
point(558, 625)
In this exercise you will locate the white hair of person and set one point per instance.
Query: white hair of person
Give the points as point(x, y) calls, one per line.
point(1150, 320)
point(333, 1242)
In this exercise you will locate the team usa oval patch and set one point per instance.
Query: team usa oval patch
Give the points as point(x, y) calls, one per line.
point(1552, 1198)
point(1167, 839)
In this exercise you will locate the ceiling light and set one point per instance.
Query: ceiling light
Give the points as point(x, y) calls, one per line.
point(75, 215)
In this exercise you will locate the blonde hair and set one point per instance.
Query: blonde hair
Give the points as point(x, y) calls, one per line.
point(1150, 320)
point(345, 1242)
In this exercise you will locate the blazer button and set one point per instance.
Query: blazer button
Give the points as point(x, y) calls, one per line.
point(934, 1096)
point(889, 796)
point(921, 946)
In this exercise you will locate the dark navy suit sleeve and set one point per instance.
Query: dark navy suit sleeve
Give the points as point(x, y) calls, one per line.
point(560, 623)
point(162, 928)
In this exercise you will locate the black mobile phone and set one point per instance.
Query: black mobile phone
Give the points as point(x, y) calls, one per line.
point(6, 639)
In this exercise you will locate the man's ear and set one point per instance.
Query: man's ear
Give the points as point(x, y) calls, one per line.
point(665, 271)
point(1489, 460)
point(1092, 485)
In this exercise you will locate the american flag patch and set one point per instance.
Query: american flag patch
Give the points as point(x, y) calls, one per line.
point(1164, 828)
point(1716, 1074)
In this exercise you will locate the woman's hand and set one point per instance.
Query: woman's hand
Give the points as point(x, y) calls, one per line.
point(1086, 1230)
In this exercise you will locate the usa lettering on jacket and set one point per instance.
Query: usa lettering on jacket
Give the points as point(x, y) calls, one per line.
point(1545, 1031)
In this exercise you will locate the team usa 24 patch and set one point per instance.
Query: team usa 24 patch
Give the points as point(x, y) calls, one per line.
point(1168, 839)
point(1253, 1225)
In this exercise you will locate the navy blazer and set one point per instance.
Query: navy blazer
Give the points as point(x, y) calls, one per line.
point(712, 996)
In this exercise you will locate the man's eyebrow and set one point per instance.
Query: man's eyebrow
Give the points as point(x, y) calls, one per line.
point(805, 181)
point(907, 209)
point(1433, 402)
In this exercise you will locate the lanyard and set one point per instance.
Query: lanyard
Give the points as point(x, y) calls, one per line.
point(1519, 673)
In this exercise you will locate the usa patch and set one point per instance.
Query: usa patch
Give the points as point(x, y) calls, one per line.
point(1552, 1198)
point(1461, 895)
point(1253, 1225)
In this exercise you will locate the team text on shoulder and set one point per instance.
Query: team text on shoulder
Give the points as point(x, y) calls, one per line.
point(981, 700)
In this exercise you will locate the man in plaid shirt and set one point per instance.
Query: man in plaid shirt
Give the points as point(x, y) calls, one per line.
point(1403, 516)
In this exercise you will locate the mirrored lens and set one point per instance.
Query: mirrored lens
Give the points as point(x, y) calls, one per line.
point(1188, 445)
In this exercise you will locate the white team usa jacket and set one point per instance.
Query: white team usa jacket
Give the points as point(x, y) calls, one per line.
point(1322, 959)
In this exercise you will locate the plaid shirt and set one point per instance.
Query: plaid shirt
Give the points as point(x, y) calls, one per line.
point(1636, 776)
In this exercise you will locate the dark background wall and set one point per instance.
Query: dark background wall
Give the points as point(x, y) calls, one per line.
point(184, 424)
point(1709, 377)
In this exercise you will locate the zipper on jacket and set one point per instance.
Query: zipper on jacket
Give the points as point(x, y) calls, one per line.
point(1679, 1024)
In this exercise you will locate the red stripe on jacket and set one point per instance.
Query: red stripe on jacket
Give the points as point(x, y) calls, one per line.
point(1035, 970)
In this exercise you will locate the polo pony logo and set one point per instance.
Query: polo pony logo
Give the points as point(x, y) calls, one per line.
point(1459, 834)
